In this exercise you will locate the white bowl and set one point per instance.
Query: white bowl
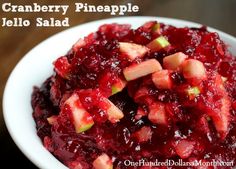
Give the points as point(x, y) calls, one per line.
point(36, 66)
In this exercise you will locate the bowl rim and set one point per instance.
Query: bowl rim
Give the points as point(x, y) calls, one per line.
point(9, 126)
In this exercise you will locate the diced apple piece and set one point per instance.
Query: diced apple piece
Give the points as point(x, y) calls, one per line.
point(132, 50)
point(139, 70)
point(52, 119)
point(80, 43)
point(98, 100)
point(193, 69)
point(220, 115)
point(144, 134)
point(162, 79)
point(193, 92)
point(157, 113)
point(86, 126)
point(113, 112)
point(158, 44)
point(173, 62)
point(62, 67)
point(103, 162)
point(222, 119)
point(82, 120)
point(118, 86)
point(156, 28)
point(184, 148)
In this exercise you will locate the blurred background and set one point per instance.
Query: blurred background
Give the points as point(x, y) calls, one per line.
point(15, 42)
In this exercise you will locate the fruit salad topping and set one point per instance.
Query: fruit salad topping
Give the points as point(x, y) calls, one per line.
point(155, 92)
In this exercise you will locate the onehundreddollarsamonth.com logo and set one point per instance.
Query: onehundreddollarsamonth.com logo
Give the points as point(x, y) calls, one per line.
point(180, 163)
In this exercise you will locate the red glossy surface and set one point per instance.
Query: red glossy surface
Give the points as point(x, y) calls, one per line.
point(196, 122)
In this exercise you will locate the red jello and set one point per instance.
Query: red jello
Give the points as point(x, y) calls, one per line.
point(153, 93)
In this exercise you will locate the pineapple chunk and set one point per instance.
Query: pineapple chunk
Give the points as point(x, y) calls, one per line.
point(103, 162)
point(173, 62)
point(139, 70)
point(132, 50)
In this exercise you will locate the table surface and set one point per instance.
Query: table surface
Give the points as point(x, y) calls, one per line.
point(16, 42)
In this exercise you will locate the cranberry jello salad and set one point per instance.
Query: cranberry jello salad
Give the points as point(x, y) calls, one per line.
point(153, 93)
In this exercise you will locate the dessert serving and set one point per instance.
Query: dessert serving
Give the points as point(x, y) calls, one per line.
point(153, 93)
